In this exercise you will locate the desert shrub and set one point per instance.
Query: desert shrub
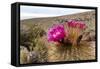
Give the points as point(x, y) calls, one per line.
point(29, 38)
point(61, 20)
point(67, 32)
point(42, 51)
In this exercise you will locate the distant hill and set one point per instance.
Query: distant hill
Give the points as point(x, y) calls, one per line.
point(45, 23)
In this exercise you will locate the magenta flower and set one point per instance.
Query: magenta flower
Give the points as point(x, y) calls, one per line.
point(56, 33)
point(71, 23)
point(82, 25)
point(75, 23)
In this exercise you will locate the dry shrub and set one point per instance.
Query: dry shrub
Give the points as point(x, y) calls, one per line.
point(30, 39)
point(85, 51)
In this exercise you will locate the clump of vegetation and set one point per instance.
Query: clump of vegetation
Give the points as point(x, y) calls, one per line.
point(42, 51)
point(61, 20)
point(74, 45)
point(30, 40)
point(71, 31)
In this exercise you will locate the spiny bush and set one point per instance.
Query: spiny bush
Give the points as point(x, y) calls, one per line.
point(42, 51)
point(70, 30)
point(66, 42)
point(29, 38)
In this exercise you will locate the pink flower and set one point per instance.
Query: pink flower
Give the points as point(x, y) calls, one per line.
point(56, 33)
point(71, 23)
point(75, 23)
point(83, 25)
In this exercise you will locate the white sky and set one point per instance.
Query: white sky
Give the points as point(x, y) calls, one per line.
point(37, 12)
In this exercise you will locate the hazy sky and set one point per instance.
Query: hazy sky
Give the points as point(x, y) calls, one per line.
point(37, 12)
